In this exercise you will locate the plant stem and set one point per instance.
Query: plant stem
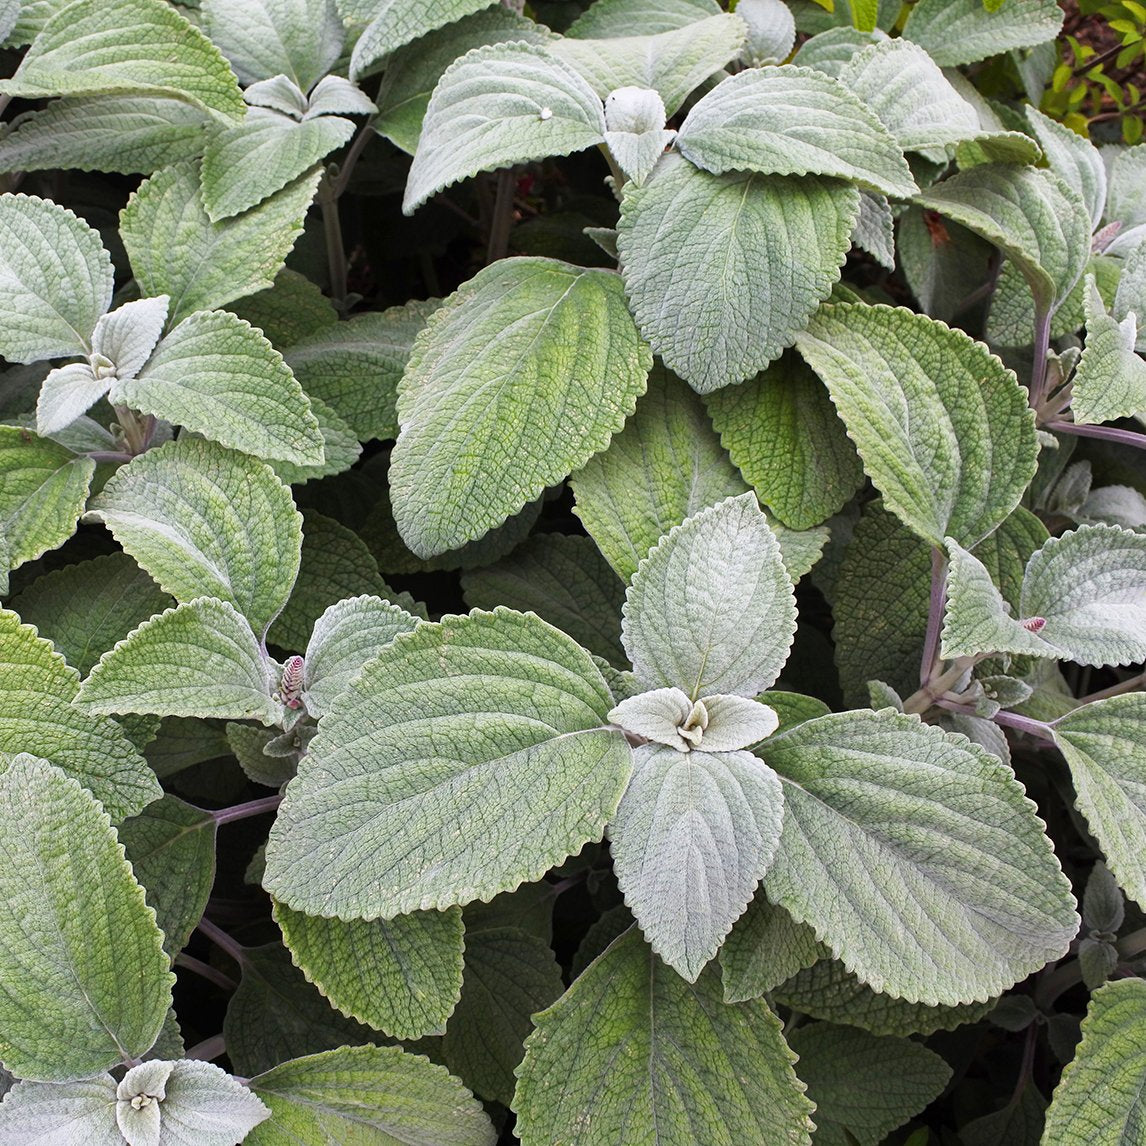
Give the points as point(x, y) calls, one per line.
point(1098, 60)
point(108, 456)
point(1131, 684)
point(222, 940)
point(214, 1047)
point(365, 134)
point(335, 249)
point(619, 177)
point(206, 971)
point(1104, 433)
point(934, 615)
point(1005, 719)
point(929, 694)
point(243, 811)
point(1039, 368)
point(501, 222)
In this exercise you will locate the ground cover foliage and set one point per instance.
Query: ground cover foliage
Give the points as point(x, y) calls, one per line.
point(571, 574)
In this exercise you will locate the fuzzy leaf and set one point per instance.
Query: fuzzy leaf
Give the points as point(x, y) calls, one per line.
point(394, 24)
point(489, 111)
point(37, 715)
point(916, 857)
point(402, 976)
point(523, 374)
point(711, 608)
point(83, 973)
point(340, 449)
point(793, 121)
point(68, 392)
point(693, 835)
point(55, 280)
point(77, 1114)
point(664, 466)
point(198, 659)
point(113, 47)
point(1029, 214)
point(1072, 157)
point(1100, 1100)
point(958, 32)
point(607, 19)
point(291, 310)
point(1110, 381)
point(710, 269)
point(657, 715)
point(1105, 745)
point(351, 1091)
point(217, 375)
point(771, 31)
point(1130, 296)
point(176, 250)
point(543, 777)
point(633, 1053)
point(205, 521)
point(942, 425)
point(764, 948)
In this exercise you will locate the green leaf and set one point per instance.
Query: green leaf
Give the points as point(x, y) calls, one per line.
point(765, 947)
point(37, 715)
point(205, 521)
point(664, 466)
point(958, 32)
point(301, 39)
point(42, 494)
point(113, 47)
point(916, 857)
point(129, 134)
point(541, 362)
point(289, 311)
point(828, 990)
point(217, 375)
point(671, 63)
point(1110, 381)
point(565, 581)
point(176, 250)
point(355, 366)
point(171, 848)
point(1130, 295)
point(56, 280)
point(198, 659)
point(489, 111)
point(351, 1091)
point(607, 19)
point(693, 835)
point(633, 1053)
point(1029, 214)
point(395, 24)
point(864, 1086)
point(1100, 1100)
point(543, 777)
point(402, 976)
point(874, 229)
point(345, 637)
point(793, 121)
point(723, 304)
point(76, 1114)
point(83, 974)
point(1072, 157)
point(904, 87)
point(942, 425)
point(785, 437)
point(1105, 745)
point(340, 449)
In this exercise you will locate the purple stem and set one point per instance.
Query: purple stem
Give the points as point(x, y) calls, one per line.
point(222, 940)
point(108, 456)
point(206, 971)
point(1005, 719)
point(244, 811)
point(1105, 433)
point(214, 1047)
point(934, 614)
point(1039, 369)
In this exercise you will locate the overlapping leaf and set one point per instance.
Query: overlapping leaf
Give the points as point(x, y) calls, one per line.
point(394, 24)
point(1110, 381)
point(958, 32)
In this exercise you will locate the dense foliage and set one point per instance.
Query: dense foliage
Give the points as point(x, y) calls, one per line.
point(766, 384)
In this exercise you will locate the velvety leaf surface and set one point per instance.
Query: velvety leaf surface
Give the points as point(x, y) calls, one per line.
point(1110, 381)
point(1072, 157)
point(79, 1114)
point(395, 24)
point(607, 19)
point(958, 32)
point(765, 947)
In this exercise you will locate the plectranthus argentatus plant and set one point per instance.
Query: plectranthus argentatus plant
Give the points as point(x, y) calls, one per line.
point(572, 573)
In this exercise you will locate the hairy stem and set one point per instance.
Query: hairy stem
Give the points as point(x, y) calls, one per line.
point(934, 688)
point(222, 940)
point(1104, 433)
point(337, 265)
point(1005, 719)
point(1039, 368)
point(501, 221)
point(205, 971)
point(214, 1047)
point(934, 615)
point(619, 177)
point(244, 811)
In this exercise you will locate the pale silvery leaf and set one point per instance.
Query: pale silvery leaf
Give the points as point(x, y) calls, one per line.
point(958, 32)
point(1130, 298)
point(720, 723)
point(1030, 214)
point(943, 426)
point(56, 280)
point(542, 362)
point(913, 99)
point(771, 31)
point(497, 106)
point(609, 19)
point(736, 722)
point(1124, 186)
point(69, 1114)
point(1074, 159)
point(650, 1058)
point(830, 50)
point(66, 393)
point(279, 93)
point(544, 767)
point(1110, 381)
point(333, 95)
point(215, 374)
point(1114, 505)
point(345, 637)
point(205, 521)
point(635, 120)
point(138, 1096)
point(340, 449)
point(673, 62)
point(1105, 745)
point(127, 335)
point(394, 23)
point(199, 659)
point(793, 121)
point(116, 46)
point(71, 1007)
point(1099, 1099)
point(874, 230)
point(916, 857)
point(720, 306)
point(657, 715)
point(693, 835)
point(301, 39)
point(711, 608)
